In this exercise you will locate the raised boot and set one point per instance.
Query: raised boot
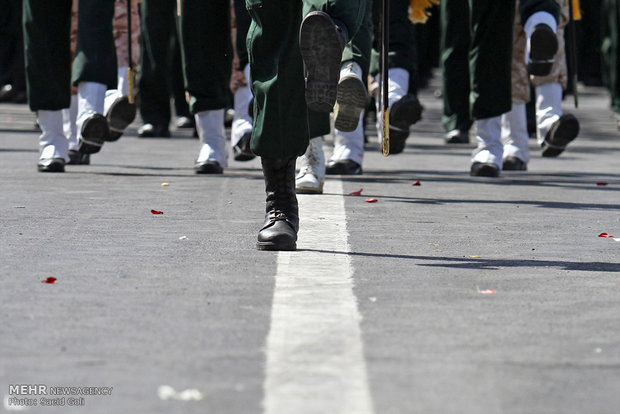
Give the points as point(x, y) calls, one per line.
point(279, 231)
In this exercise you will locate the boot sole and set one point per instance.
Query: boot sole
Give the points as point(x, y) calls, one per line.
point(352, 99)
point(276, 246)
point(208, 167)
point(95, 131)
point(121, 114)
point(560, 135)
point(405, 112)
point(77, 158)
point(340, 168)
point(479, 169)
point(544, 46)
point(242, 149)
point(321, 50)
point(309, 190)
point(57, 165)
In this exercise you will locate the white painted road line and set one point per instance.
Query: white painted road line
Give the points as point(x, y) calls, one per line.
point(315, 357)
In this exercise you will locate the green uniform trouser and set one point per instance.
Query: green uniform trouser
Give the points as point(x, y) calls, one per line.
point(47, 27)
point(402, 44)
point(611, 50)
point(454, 63)
point(475, 60)
point(243, 20)
point(204, 27)
point(281, 120)
point(160, 73)
point(589, 43)
point(359, 48)
point(11, 45)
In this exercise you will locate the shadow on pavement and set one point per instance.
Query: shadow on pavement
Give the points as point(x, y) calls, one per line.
point(481, 263)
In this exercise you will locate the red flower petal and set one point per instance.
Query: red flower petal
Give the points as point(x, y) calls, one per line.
point(49, 280)
point(601, 183)
point(356, 193)
point(605, 235)
point(156, 212)
point(417, 183)
point(371, 200)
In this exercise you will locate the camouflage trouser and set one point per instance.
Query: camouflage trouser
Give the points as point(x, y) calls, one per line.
point(558, 74)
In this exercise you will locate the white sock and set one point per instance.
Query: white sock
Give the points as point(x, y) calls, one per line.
point(242, 123)
point(488, 135)
point(52, 142)
point(210, 126)
point(514, 133)
point(351, 68)
point(112, 95)
point(538, 18)
point(398, 86)
point(69, 118)
point(548, 108)
point(313, 158)
point(123, 80)
point(349, 145)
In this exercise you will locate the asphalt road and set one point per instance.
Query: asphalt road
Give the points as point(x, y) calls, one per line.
point(474, 295)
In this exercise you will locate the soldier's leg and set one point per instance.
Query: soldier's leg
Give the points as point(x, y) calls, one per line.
point(281, 130)
point(48, 56)
point(118, 111)
point(555, 130)
point(612, 52)
point(352, 96)
point(12, 71)
point(205, 43)
point(48, 75)
point(94, 71)
point(405, 109)
point(325, 30)
point(589, 54)
point(157, 27)
point(241, 129)
point(516, 153)
point(185, 118)
point(352, 100)
point(490, 72)
point(455, 38)
point(514, 123)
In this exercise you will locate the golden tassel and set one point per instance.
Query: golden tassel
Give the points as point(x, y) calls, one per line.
point(576, 10)
point(417, 10)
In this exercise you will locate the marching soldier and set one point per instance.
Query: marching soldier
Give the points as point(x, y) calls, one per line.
point(281, 47)
point(206, 50)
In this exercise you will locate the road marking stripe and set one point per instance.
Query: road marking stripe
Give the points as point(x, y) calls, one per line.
point(315, 358)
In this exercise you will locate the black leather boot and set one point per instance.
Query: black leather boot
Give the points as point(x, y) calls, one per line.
point(282, 218)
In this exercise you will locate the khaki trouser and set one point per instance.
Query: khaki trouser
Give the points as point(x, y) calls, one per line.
point(520, 76)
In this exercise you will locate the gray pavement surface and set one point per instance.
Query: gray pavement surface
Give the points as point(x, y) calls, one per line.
point(135, 307)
